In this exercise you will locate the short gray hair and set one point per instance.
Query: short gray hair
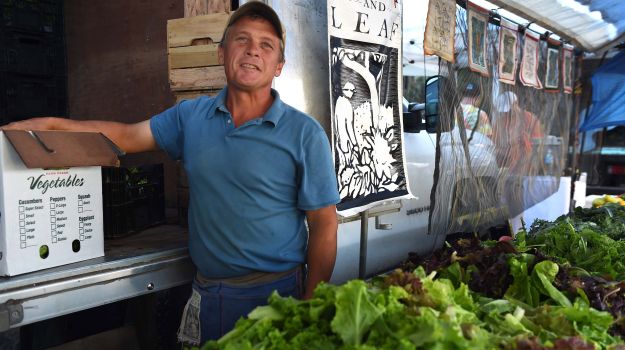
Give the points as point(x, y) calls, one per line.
point(222, 43)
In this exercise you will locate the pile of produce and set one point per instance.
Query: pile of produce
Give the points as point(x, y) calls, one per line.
point(412, 310)
point(560, 286)
point(499, 270)
point(601, 201)
point(590, 239)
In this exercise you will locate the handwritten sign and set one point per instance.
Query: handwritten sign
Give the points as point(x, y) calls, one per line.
point(440, 29)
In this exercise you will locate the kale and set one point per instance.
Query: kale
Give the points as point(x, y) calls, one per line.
point(581, 245)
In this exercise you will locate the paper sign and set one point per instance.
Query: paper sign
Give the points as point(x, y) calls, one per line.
point(365, 84)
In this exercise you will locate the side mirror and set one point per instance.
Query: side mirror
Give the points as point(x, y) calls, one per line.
point(413, 118)
point(431, 104)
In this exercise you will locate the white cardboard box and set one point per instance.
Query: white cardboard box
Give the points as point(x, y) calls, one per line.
point(51, 198)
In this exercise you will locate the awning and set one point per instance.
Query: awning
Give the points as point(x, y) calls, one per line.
point(592, 25)
point(608, 95)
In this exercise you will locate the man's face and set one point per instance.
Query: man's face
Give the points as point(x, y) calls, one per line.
point(251, 54)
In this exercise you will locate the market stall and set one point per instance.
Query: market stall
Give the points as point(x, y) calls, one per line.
point(556, 285)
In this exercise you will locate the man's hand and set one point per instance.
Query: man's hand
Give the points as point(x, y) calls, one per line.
point(322, 227)
point(30, 124)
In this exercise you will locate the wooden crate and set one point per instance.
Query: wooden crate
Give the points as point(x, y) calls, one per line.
point(202, 7)
point(191, 94)
point(192, 52)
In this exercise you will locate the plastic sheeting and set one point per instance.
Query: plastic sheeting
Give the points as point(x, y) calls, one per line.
point(608, 95)
point(500, 147)
point(590, 24)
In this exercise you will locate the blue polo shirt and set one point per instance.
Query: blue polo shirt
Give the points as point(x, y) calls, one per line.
point(249, 186)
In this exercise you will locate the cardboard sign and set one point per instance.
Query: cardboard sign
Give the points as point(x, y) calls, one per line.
point(508, 52)
point(567, 68)
point(529, 63)
point(478, 25)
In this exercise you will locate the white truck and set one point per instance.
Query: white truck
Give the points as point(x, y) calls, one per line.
point(389, 231)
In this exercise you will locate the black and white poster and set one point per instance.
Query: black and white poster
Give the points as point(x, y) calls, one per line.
point(365, 77)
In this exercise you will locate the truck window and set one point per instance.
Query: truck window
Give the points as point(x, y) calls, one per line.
point(416, 66)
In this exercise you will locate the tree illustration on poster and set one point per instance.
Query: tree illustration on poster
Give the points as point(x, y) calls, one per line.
point(364, 40)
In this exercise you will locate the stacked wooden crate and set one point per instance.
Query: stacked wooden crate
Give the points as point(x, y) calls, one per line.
point(202, 7)
point(192, 44)
point(194, 65)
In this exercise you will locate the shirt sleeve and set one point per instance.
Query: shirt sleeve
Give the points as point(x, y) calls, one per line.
point(317, 181)
point(167, 128)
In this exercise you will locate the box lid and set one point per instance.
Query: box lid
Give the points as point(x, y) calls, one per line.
point(56, 149)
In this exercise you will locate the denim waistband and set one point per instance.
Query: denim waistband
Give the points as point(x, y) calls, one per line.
point(254, 278)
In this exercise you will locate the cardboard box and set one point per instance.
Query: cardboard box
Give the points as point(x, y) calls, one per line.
point(51, 198)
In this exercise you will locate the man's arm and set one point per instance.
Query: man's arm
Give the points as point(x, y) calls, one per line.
point(131, 138)
point(322, 227)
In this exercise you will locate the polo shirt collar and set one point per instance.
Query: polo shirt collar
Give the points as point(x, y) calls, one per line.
point(273, 114)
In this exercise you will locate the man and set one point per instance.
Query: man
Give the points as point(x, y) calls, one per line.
point(257, 169)
point(514, 132)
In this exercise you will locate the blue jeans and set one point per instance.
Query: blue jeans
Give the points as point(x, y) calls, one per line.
point(222, 305)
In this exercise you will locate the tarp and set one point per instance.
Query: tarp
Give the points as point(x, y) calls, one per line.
point(608, 95)
point(612, 11)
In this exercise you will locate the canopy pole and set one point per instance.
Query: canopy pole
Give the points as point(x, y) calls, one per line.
point(364, 237)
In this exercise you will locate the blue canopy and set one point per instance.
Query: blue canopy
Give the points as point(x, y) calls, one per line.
point(608, 95)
